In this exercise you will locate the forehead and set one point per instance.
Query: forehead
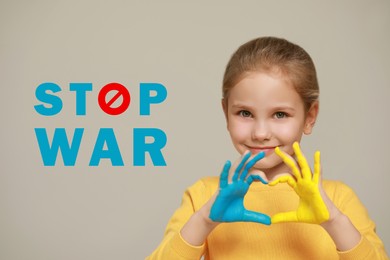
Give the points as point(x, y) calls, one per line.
point(258, 88)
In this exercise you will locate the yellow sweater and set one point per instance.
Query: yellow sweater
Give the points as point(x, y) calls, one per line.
point(236, 241)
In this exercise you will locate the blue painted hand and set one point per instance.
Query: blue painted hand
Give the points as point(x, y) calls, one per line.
point(229, 203)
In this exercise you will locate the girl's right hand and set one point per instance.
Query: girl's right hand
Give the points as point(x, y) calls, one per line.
point(229, 203)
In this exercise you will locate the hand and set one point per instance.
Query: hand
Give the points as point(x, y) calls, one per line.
point(229, 203)
point(311, 208)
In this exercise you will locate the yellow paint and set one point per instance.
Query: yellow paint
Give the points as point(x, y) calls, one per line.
point(311, 208)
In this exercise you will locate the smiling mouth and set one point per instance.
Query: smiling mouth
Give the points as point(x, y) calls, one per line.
point(266, 149)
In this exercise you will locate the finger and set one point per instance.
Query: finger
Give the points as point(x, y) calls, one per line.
point(305, 168)
point(249, 180)
point(285, 179)
point(257, 178)
point(290, 162)
point(223, 179)
point(251, 216)
point(317, 167)
point(250, 164)
point(290, 216)
point(240, 165)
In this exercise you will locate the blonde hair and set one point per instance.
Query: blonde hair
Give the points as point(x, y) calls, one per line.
point(268, 54)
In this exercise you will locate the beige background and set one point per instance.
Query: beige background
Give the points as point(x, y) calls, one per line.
point(110, 212)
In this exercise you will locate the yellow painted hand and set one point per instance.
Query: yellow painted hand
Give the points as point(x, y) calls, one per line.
point(311, 208)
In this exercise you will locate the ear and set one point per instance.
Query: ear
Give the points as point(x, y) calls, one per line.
point(311, 117)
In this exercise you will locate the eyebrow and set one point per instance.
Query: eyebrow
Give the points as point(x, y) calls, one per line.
point(281, 107)
point(284, 108)
point(239, 105)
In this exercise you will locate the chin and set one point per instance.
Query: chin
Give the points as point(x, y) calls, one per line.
point(268, 163)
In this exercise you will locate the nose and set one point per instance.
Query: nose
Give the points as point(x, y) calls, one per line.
point(261, 131)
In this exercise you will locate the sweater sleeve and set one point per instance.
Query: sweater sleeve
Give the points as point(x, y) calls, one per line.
point(173, 246)
point(370, 245)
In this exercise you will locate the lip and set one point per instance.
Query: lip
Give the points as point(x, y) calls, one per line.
point(266, 149)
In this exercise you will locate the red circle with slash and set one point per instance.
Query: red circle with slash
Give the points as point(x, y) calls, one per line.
point(121, 91)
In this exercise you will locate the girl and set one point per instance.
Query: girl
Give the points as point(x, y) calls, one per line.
point(270, 98)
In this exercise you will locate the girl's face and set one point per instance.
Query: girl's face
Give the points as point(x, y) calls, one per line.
point(264, 111)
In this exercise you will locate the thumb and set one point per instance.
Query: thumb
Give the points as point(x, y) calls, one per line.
point(252, 216)
point(290, 216)
point(259, 175)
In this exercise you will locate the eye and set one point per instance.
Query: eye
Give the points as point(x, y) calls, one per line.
point(280, 115)
point(245, 113)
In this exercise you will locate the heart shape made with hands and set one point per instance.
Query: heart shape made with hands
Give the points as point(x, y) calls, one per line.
point(229, 203)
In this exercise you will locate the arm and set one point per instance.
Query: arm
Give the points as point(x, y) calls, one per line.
point(199, 226)
point(173, 246)
point(189, 228)
point(342, 231)
point(370, 245)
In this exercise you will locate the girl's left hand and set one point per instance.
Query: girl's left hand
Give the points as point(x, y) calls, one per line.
point(314, 204)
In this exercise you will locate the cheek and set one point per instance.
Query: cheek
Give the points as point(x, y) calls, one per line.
point(239, 131)
point(290, 132)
